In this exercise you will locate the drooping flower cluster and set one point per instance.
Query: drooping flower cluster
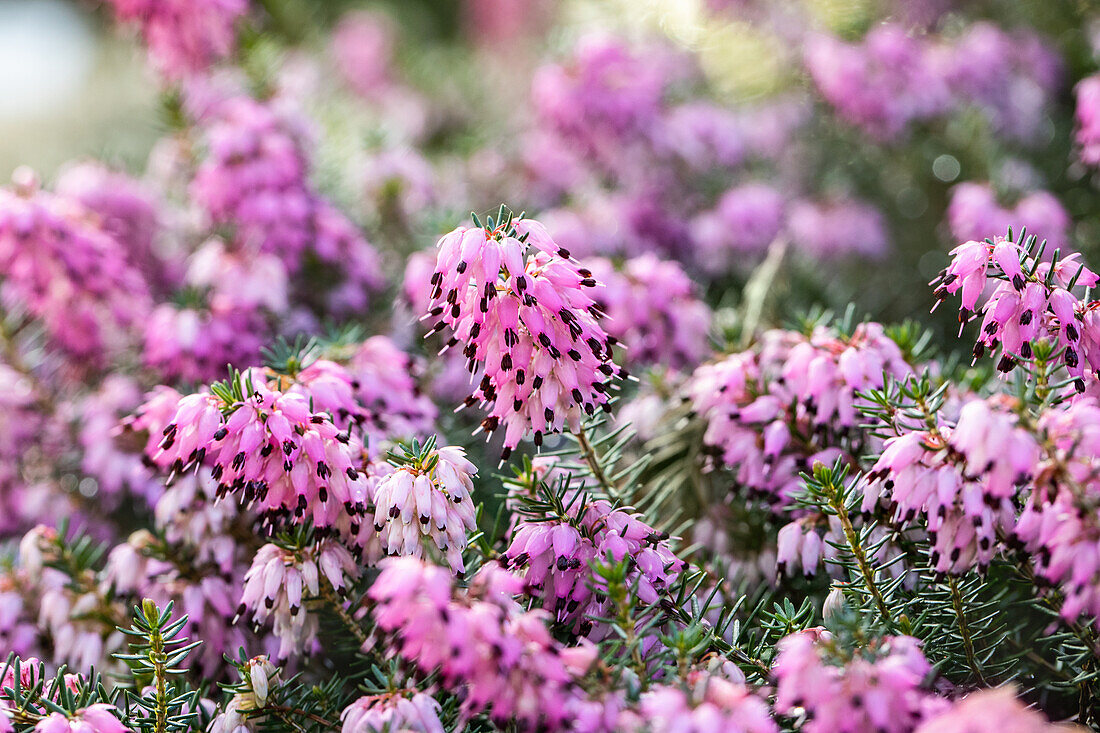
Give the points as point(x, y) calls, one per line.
point(522, 309)
point(556, 557)
point(427, 500)
point(129, 211)
point(773, 413)
point(962, 480)
point(880, 689)
point(652, 308)
point(281, 580)
point(1060, 523)
point(480, 641)
point(606, 92)
point(269, 448)
point(385, 384)
point(1033, 300)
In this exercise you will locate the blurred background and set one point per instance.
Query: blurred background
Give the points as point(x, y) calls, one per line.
point(856, 140)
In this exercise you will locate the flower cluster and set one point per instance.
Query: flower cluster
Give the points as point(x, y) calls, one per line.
point(521, 307)
point(892, 79)
point(884, 84)
point(773, 413)
point(651, 306)
point(961, 479)
point(255, 178)
point(503, 657)
point(280, 581)
point(1088, 119)
point(62, 268)
point(184, 36)
point(556, 558)
point(881, 689)
point(268, 448)
point(1033, 300)
point(427, 500)
point(974, 213)
point(376, 713)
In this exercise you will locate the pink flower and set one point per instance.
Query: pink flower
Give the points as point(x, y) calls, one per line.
point(555, 557)
point(98, 718)
point(990, 711)
point(270, 448)
point(883, 84)
point(58, 264)
point(280, 581)
point(883, 692)
point(501, 658)
point(521, 307)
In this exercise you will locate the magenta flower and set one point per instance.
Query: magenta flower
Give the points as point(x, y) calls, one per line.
point(269, 448)
point(481, 642)
point(746, 220)
point(59, 265)
point(885, 83)
point(556, 556)
point(753, 401)
point(256, 178)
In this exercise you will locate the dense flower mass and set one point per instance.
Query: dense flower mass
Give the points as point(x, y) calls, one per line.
point(520, 306)
point(556, 558)
point(883, 692)
point(184, 36)
point(60, 267)
point(238, 489)
point(650, 305)
point(758, 404)
point(504, 656)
